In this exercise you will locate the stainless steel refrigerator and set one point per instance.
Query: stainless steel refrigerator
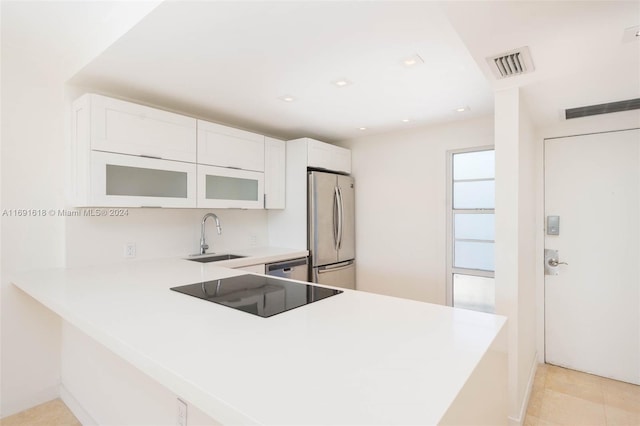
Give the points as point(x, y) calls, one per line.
point(331, 225)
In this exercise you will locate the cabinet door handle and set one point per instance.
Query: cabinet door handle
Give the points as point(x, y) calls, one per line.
point(151, 156)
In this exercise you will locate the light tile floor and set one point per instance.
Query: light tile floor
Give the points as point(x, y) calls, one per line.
point(565, 397)
point(52, 413)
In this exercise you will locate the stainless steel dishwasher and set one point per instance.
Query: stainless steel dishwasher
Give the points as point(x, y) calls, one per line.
point(295, 269)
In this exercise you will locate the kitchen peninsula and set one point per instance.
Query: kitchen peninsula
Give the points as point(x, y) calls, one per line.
point(355, 358)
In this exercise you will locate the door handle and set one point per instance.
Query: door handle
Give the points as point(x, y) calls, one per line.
point(551, 262)
point(554, 262)
point(341, 221)
point(155, 157)
point(339, 267)
point(336, 218)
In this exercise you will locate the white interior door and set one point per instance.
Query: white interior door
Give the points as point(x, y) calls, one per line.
point(592, 307)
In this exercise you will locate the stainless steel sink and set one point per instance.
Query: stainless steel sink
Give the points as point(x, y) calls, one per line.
point(215, 258)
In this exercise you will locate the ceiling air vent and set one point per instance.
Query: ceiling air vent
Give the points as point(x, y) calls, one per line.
point(607, 108)
point(515, 62)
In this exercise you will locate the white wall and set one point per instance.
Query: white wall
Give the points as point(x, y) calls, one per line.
point(39, 54)
point(516, 241)
point(529, 257)
point(34, 68)
point(160, 233)
point(401, 206)
point(593, 124)
point(32, 154)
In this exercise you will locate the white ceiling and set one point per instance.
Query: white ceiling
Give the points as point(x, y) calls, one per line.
point(230, 61)
point(577, 48)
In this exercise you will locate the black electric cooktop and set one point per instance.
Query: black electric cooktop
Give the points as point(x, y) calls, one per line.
point(259, 295)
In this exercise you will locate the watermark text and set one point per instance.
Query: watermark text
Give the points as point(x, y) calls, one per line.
point(95, 212)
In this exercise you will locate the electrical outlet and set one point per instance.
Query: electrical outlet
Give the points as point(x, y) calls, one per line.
point(253, 240)
point(130, 250)
point(182, 413)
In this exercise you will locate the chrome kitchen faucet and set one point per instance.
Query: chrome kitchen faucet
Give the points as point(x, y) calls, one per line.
point(203, 245)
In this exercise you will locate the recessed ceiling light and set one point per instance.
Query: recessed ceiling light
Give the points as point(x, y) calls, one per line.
point(287, 98)
point(362, 128)
point(412, 60)
point(405, 120)
point(462, 109)
point(342, 82)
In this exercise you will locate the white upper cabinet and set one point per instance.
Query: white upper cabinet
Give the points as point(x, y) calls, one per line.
point(325, 156)
point(227, 188)
point(224, 146)
point(128, 155)
point(127, 128)
point(127, 181)
point(275, 157)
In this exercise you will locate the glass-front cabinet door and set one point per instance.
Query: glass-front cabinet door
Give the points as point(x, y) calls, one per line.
point(131, 181)
point(221, 187)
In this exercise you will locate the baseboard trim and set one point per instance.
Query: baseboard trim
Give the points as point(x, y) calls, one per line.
point(525, 401)
point(75, 407)
point(12, 407)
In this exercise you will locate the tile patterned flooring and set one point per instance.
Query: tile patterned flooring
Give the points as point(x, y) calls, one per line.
point(52, 413)
point(559, 397)
point(566, 397)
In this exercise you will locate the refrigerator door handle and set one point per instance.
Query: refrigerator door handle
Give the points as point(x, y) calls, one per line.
point(338, 267)
point(341, 221)
point(337, 221)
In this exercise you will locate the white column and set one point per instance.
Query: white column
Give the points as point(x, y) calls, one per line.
point(516, 241)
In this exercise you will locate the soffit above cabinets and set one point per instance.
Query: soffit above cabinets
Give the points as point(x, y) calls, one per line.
point(237, 62)
point(275, 67)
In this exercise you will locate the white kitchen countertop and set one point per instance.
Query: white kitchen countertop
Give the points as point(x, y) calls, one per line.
point(354, 358)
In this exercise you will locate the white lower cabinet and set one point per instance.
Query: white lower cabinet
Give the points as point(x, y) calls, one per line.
point(120, 180)
point(220, 187)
